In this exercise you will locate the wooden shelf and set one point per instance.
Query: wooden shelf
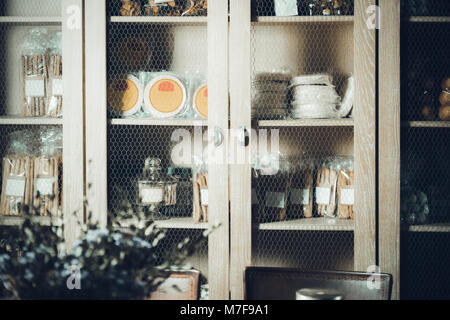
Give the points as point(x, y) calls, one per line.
point(438, 227)
point(12, 120)
point(164, 20)
point(159, 122)
point(307, 123)
point(312, 224)
point(181, 223)
point(17, 221)
point(419, 19)
point(30, 20)
point(173, 223)
point(305, 19)
point(426, 124)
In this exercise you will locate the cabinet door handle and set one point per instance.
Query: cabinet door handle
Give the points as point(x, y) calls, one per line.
point(218, 137)
point(244, 137)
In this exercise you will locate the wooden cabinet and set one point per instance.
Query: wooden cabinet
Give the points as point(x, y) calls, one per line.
point(236, 47)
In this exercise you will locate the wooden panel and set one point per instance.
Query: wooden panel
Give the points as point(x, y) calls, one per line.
point(365, 138)
point(240, 112)
point(96, 122)
point(389, 136)
point(218, 248)
point(73, 128)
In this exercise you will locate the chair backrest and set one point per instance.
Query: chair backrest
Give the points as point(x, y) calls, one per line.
point(264, 283)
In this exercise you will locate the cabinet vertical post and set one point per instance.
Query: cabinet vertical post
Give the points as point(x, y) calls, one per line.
point(73, 123)
point(218, 250)
point(240, 114)
point(389, 136)
point(96, 119)
point(365, 135)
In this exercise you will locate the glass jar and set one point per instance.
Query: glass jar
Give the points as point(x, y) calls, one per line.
point(155, 190)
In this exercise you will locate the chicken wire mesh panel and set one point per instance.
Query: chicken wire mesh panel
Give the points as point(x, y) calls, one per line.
point(425, 217)
point(302, 7)
point(425, 175)
point(169, 8)
point(156, 66)
point(31, 8)
point(424, 266)
point(31, 171)
point(425, 8)
point(425, 71)
point(301, 70)
point(303, 198)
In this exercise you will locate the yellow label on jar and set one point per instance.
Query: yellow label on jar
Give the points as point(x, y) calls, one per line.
point(123, 94)
point(166, 96)
point(201, 101)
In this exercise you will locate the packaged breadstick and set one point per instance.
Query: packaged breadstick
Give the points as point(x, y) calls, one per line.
point(325, 190)
point(35, 72)
point(302, 189)
point(55, 82)
point(200, 191)
point(17, 172)
point(345, 189)
point(273, 185)
point(48, 172)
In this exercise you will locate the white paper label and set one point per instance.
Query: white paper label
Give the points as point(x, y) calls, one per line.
point(300, 196)
point(15, 187)
point(323, 195)
point(348, 197)
point(57, 86)
point(204, 197)
point(44, 186)
point(254, 197)
point(152, 195)
point(275, 199)
point(35, 88)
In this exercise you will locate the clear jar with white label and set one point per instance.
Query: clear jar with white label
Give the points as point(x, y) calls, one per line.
point(154, 190)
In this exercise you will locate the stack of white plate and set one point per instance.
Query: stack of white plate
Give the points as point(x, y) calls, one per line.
point(314, 97)
point(270, 96)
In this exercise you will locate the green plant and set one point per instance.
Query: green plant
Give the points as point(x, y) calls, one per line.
point(111, 263)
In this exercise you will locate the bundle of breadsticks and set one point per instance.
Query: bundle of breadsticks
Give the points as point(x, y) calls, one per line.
point(31, 173)
point(42, 73)
point(200, 197)
point(334, 192)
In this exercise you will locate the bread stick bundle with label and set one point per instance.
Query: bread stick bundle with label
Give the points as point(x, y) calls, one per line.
point(35, 72)
point(200, 191)
point(345, 189)
point(325, 190)
point(302, 190)
point(273, 187)
point(55, 80)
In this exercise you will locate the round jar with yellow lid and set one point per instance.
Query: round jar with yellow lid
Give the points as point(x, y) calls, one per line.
point(125, 95)
point(164, 96)
point(201, 101)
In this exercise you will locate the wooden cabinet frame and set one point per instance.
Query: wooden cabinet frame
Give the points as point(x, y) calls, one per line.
point(364, 137)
